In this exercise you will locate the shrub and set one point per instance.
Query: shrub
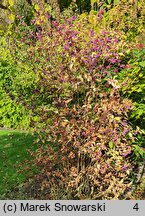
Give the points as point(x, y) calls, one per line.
point(17, 81)
point(90, 156)
point(123, 17)
point(133, 83)
point(88, 150)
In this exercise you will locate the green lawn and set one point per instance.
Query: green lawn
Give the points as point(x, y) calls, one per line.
point(13, 151)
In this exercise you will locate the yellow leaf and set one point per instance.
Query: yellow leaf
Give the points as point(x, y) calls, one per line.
point(38, 22)
point(121, 54)
point(12, 17)
point(43, 18)
point(36, 7)
point(11, 3)
point(117, 118)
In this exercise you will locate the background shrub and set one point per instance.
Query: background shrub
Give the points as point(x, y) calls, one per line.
point(133, 83)
point(17, 82)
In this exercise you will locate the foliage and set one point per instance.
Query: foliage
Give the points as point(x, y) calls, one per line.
point(68, 78)
point(98, 149)
point(121, 17)
point(22, 8)
point(17, 81)
point(78, 117)
point(134, 83)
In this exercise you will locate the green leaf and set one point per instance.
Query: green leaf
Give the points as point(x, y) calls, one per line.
point(109, 1)
point(142, 64)
point(111, 145)
point(116, 2)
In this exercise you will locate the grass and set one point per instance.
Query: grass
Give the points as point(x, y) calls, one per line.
point(13, 151)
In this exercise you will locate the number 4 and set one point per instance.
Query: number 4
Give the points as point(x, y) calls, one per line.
point(136, 207)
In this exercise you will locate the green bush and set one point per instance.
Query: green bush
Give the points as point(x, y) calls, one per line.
point(16, 81)
point(133, 80)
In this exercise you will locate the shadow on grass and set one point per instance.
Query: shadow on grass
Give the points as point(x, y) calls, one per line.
point(13, 151)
